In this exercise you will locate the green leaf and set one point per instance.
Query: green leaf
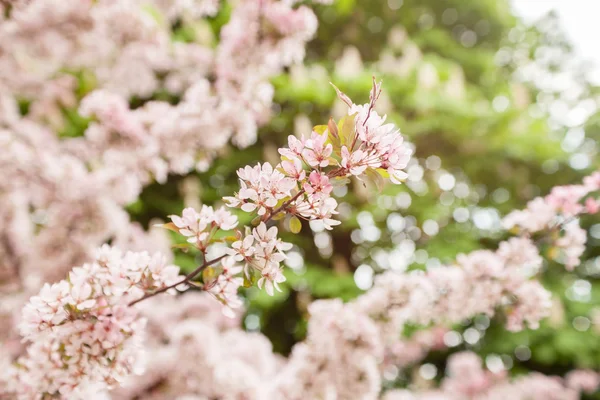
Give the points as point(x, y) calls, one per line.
point(169, 225)
point(320, 129)
point(181, 246)
point(230, 239)
point(346, 130)
point(208, 274)
point(295, 225)
point(278, 216)
point(383, 172)
point(374, 177)
point(249, 280)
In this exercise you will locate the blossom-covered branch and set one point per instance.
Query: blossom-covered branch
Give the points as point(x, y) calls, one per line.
point(300, 187)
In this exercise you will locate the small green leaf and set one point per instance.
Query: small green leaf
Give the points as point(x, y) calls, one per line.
point(383, 172)
point(181, 246)
point(169, 225)
point(208, 274)
point(375, 178)
point(256, 221)
point(346, 130)
point(295, 225)
point(278, 216)
point(230, 239)
point(248, 281)
point(320, 129)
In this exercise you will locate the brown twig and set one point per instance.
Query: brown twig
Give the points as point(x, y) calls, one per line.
point(186, 279)
point(284, 206)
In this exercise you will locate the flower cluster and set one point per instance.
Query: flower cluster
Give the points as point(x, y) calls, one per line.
point(374, 144)
point(558, 211)
point(261, 189)
point(310, 166)
point(563, 202)
point(82, 331)
point(196, 352)
point(200, 226)
point(262, 251)
point(480, 283)
point(300, 186)
point(225, 286)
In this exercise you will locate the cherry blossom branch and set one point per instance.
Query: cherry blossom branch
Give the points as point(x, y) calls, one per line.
point(189, 277)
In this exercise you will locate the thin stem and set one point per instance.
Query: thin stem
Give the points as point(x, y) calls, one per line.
point(186, 279)
point(284, 205)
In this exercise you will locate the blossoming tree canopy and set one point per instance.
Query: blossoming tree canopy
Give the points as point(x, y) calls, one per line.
point(86, 332)
point(116, 112)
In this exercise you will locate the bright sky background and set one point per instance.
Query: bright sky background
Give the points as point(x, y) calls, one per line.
point(579, 19)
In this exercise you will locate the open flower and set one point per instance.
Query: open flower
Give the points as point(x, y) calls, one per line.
point(271, 277)
point(191, 225)
point(293, 168)
point(294, 149)
point(316, 153)
point(318, 183)
point(355, 162)
point(243, 249)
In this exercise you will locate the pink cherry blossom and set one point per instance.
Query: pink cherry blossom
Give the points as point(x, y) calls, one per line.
point(592, 206)
point(293, 168)
point(316, 153)
point(294, 149)
point(355, 162)
point(318, 184)
point(261, 189)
